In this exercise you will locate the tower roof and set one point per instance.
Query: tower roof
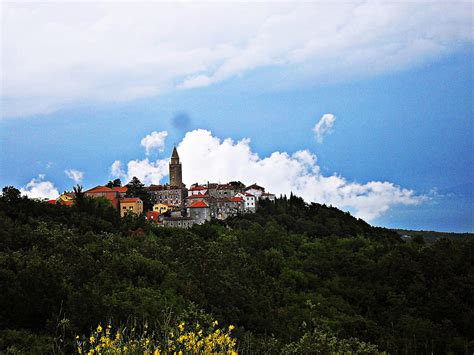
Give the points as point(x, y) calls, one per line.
point(174, 155)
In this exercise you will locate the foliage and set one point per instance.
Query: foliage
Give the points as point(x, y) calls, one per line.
point(137, 189)
point(116, 183)
point(271, 274)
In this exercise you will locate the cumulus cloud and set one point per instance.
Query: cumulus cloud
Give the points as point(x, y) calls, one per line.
point(208, 158)
point(39, 188)
point(324, 126)
point(154, 140)
point(56, 54)
point(147, 171)
point(75, 175)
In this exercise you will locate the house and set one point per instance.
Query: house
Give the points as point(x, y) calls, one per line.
point(131, 205)
point(113, 195)
point(255, 190)
point(152, 216)
point(250, 201)
point(193, 198)
point(161, 208)
point(196, 189)
point(167, 194)
point(199, 211)
point(222, 190)
point(222, 208)
point(268, 196)
point(66, 199)
point(122, 190)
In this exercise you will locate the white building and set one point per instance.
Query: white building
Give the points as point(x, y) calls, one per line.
point(255, 190)
point(250, 201)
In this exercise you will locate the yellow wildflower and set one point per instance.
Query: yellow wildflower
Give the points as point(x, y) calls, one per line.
point(92, 339)
point(99, 329)
point(231, 328)
point(215, 323)
point(181, 326)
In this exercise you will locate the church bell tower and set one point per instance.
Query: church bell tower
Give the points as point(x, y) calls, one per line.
point(176, 174)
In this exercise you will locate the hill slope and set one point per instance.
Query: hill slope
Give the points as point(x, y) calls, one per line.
point(280, 275)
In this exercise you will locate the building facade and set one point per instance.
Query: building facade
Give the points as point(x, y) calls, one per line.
point(131, 205)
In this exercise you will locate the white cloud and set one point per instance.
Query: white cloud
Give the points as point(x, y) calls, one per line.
point(75, 175)
point(146, 171)
point(324, 126)
point(208, 158)
point(154, 140)
point(56, 54)
point(39, 188)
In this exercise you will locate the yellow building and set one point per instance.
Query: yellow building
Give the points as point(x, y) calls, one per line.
point(161, 208)
point(131, 205)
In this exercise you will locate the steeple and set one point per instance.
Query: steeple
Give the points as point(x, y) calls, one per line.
point(176, 174)
point(174, 156)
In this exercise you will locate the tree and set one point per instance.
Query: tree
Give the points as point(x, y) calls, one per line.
point(115, 183)
point(135, 188)
point(10, 193)
point(78, 194)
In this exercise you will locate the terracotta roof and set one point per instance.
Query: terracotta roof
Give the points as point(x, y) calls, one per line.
point(199, 204)
point(235, 199)
point(53, 202)
point(120, 188)
point(130, 200)
point(99, 189)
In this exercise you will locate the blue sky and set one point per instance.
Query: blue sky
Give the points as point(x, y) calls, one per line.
point(402, 120)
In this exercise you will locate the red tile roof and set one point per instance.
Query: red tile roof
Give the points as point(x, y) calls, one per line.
point(53, 202)
point(249, 195)
point(235, 199)
point(99, 189)
point(199, 204)
point(130, 200)
point(121, 189)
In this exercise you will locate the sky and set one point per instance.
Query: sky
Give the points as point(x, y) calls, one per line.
point(366, 106)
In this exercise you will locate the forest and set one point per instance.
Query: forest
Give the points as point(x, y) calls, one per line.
point(292, 278)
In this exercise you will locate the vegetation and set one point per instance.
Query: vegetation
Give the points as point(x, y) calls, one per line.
point(292, 278)
point(431, 237)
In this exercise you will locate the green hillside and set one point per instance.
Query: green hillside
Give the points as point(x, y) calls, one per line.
point(292, 278)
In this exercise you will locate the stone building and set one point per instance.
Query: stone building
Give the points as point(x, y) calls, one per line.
point(199, 211)
point(222, 208)
point(174, 193)
point(167, 194)
point(178, 222)
point(176, 172)
point(222, 190)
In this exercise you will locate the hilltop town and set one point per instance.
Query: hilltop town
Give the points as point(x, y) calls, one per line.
point(173, 204)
